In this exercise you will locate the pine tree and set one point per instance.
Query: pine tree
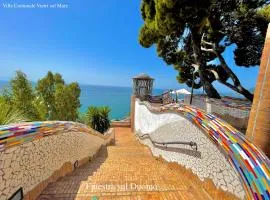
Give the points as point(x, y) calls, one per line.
point(192, 35)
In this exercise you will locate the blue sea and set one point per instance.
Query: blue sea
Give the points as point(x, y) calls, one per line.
point(117, 98)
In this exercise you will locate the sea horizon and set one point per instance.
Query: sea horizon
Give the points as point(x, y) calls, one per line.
point(117, 98)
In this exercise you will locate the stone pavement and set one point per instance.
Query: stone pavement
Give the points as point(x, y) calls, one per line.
point(129, 171)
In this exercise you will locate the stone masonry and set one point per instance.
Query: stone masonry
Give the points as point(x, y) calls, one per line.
point(259, 122)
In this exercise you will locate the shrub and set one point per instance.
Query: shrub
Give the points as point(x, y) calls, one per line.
point(9, 114)
point(98, 118)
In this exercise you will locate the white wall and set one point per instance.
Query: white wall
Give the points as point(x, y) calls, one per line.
point(146, 121)
point(207, 162)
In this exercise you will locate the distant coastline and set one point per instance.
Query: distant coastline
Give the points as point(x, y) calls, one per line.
point(116, 97)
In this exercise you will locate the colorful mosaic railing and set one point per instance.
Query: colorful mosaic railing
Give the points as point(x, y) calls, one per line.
point(249, 161)
point(15, 134)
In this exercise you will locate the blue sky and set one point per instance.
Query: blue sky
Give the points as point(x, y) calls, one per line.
point(91, 42)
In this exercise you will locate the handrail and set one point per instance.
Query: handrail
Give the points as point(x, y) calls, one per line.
point(162, 98)
point(167, 92)
point(248, 160)
point(192, 144)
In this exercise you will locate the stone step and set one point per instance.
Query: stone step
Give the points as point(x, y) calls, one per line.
point(168, 195)
point(126, 171)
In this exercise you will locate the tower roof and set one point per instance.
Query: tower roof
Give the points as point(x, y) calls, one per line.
point(143, 76)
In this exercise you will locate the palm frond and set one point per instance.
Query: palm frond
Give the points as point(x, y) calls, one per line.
point(10, 115)
point(98, 118)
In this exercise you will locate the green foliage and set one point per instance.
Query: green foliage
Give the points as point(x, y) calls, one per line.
point(177, 29)
point(98, 118)
point(57, 100)
point(265, 12)
point(67, 101)
point(82, 118)
point(22, 96)
point(9, 114)
point(52, 100)
point(46, 93)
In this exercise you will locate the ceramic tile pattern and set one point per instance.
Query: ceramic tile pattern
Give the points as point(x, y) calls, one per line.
point(252, 165)
point(249, 161)
point(32, 165)
point(207, 163)
point(15, 134)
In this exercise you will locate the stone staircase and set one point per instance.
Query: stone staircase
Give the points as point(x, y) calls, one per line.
point(129, 171)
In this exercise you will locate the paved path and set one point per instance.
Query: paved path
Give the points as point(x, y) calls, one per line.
point(126, 171)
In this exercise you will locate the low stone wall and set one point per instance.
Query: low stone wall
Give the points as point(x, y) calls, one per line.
point(236, 116)
point(120, 124)
point(207, 162)
point(32, 165)
point(198, 102)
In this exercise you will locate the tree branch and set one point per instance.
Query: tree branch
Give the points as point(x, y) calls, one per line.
point(207, 50)
point(196, 68)
point(205, 42)
point(208, 87)
point(237, 85)
point(212, 45)
point(214, 73)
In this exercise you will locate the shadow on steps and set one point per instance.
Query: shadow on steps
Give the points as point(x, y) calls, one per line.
point(69, 185)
